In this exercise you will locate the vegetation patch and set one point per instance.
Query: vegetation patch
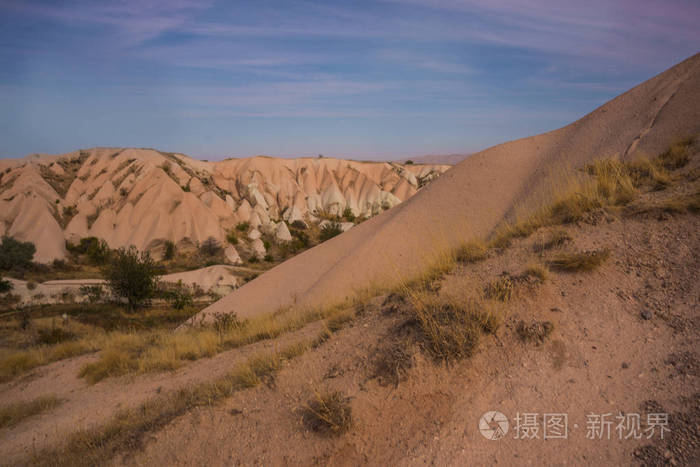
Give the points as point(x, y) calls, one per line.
point(393, 364)
point(676, 156)
point(501, 289)
point(450, 331)
point(537, 271)
point(606, 182)
point(471, 252)
point(329, 231)
point(579, 262)
point(11, 415)
point(555, 239)
point(128, 428)
point(328, 413)
point(535, 332)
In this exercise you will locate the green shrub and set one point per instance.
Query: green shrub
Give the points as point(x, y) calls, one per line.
point(16, 254)
point(178, 296)
point(132, 276)
point(243, 226)
point(5, 285)
point(96, 250)
point(169, 252)
point(232, 238)
point(329, 231)
point(269, 258)
point(348, 214)
point(210, 247)
point(94, 293)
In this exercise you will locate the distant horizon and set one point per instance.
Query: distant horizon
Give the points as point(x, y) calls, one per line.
point(375, 80)
point(219, 158)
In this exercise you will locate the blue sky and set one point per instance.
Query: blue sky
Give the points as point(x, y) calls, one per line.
point(354, 78)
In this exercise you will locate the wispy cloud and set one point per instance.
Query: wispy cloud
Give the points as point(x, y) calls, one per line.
point(133, 21)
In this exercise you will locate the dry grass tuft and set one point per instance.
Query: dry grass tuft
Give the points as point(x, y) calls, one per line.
point(645, 171)
point(675, 205)
point(501, 289)
point(537, 271)
point(555, 239)
point(338, 321)
point(536, 332)
point(329, 413)
point(578, 262)
point(451, 331)
point(471, 252)
point(162, 351)
point(393, 364)
point(677, 156)
point(606, 182)
point(11, 415)
point(21, 361)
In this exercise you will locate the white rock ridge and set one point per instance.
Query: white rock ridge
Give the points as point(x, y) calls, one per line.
point(143, 197)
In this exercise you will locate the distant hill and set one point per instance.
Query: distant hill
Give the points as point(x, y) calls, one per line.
point(145, 197)
point(448, 159)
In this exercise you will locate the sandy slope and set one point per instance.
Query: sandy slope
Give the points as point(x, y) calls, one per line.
point(474, 196)
point(602, 357)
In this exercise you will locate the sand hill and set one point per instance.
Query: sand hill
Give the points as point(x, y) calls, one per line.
point(477, 195)
point(143, 197)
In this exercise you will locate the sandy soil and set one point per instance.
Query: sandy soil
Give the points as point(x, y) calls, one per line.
point(603, 357)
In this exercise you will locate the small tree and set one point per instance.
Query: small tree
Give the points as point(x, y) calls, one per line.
point(169, 252)
point(210, 247)
point(131, 276)
point(14, 254)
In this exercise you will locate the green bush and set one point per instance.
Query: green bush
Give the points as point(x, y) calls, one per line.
point(94, 293)
point(169, 250)
point(242, 226)
point(5, 285)
point(210, 247)
point(348, 214)
point(232, 238)
point(178, 296)
point(131, 276)
point(329, 231)
point(16, 254)
point(95, 249)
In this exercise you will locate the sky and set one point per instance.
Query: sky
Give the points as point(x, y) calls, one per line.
point(354, 78)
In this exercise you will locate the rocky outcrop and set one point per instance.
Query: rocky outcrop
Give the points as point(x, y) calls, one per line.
point(143, 197)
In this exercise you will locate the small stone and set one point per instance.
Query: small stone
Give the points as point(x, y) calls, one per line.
point(625, 365)
point(556, 309)
point(646, 314)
